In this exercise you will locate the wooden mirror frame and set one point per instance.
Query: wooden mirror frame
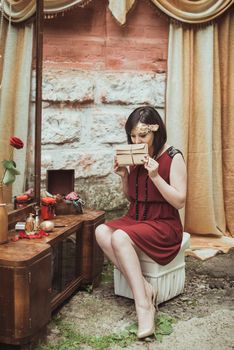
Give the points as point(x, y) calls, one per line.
point(19, 214)
point(39, 66)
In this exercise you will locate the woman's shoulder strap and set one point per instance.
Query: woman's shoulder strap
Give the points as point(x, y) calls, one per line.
point(172, 151)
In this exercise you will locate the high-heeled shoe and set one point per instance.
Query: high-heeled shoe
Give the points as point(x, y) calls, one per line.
point(143, 333)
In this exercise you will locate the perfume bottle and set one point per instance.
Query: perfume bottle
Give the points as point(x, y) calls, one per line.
point(36, 219)
point(29, 224)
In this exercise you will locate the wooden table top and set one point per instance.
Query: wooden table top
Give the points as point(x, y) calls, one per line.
point(25, 251)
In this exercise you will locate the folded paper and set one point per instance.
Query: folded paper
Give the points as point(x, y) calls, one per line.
point(132, 154)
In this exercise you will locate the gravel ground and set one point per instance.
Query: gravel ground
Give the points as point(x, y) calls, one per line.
point(204, 313)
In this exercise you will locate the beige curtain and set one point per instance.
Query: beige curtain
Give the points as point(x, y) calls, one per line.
point(199, 120)
point(16, 52)
point(120, 8)
point(226, 54)
point(191, 11)
point(21, 10)
point(18, 11)
point(187, 11)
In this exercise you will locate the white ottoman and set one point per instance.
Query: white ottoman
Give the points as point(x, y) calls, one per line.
point(168, 280)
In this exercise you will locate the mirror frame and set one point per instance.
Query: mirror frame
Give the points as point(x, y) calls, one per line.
point(38, 117)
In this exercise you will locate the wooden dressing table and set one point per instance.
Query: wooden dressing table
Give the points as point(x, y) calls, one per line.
point(37, 275)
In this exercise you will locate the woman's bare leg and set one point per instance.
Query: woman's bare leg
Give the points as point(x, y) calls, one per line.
point(103, 236)
point(123, 248)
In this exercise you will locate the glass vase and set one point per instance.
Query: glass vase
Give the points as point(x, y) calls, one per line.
point(3, 218)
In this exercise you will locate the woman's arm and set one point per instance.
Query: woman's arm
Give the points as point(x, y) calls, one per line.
point(175, 192)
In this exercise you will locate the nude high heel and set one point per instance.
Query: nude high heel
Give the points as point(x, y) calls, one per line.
point(149, 330)
point(153, 307)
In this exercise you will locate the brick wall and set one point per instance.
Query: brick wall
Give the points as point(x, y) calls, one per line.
point(90, 38)
point(95, 73)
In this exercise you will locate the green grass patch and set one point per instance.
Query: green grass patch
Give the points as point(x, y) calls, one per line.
point(68, 338)
point(108, 272)
point(163, 326)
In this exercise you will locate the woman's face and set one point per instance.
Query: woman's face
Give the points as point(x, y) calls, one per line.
point(143, 137)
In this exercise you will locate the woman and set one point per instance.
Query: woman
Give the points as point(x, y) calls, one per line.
point(156, 190)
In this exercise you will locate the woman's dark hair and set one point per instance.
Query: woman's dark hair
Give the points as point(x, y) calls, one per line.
point(147, 115)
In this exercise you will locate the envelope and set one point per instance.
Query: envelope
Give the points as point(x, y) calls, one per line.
point(132, 154)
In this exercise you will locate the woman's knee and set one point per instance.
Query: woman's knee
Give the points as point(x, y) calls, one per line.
point(102, 233)
point(119, 238)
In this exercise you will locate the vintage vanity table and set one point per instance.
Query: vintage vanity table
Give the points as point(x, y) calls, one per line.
point(37, 275)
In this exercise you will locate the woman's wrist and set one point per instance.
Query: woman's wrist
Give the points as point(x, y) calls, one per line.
point(155, 178)
point(125, 174)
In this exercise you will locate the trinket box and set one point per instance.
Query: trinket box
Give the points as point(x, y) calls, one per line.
point(60, 181)
point(132, 154)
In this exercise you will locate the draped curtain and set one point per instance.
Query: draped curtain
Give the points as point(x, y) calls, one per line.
point(193, 11)
point(187, 11)
point(200, 83)
point(199, 107)
point(15, 81)
point(21, 10)
point(184, 11)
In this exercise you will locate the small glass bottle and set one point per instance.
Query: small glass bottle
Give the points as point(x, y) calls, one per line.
point(29, 224)
point(37, 219)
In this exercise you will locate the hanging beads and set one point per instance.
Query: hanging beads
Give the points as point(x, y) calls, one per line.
point(137, 204)
point(146, 198)
point(137, 193)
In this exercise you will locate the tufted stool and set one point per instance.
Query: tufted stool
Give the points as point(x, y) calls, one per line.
point(168, 280)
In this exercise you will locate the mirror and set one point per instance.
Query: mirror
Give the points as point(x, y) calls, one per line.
point(30, 174)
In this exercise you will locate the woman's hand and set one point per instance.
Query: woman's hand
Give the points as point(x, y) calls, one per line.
point(120, 170)
point(152, 166)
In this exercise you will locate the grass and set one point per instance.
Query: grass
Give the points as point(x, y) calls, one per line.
point(70, 339)
point(108, 272)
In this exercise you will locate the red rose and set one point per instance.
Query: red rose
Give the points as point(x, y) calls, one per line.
point(16, 142)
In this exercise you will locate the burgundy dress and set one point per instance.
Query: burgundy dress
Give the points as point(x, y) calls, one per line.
point(158, 229)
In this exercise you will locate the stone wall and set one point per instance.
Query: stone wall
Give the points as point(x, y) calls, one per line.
point(83, 120)
point(90, 88)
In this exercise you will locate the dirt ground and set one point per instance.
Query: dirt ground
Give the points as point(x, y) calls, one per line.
point(204, 313)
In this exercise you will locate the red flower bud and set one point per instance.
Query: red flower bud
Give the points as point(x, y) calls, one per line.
point(16, 142)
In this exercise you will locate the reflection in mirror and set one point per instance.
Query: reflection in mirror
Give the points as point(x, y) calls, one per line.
point(19, 114)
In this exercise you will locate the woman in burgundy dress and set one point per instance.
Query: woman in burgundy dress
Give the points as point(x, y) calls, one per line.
point(156, 190)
